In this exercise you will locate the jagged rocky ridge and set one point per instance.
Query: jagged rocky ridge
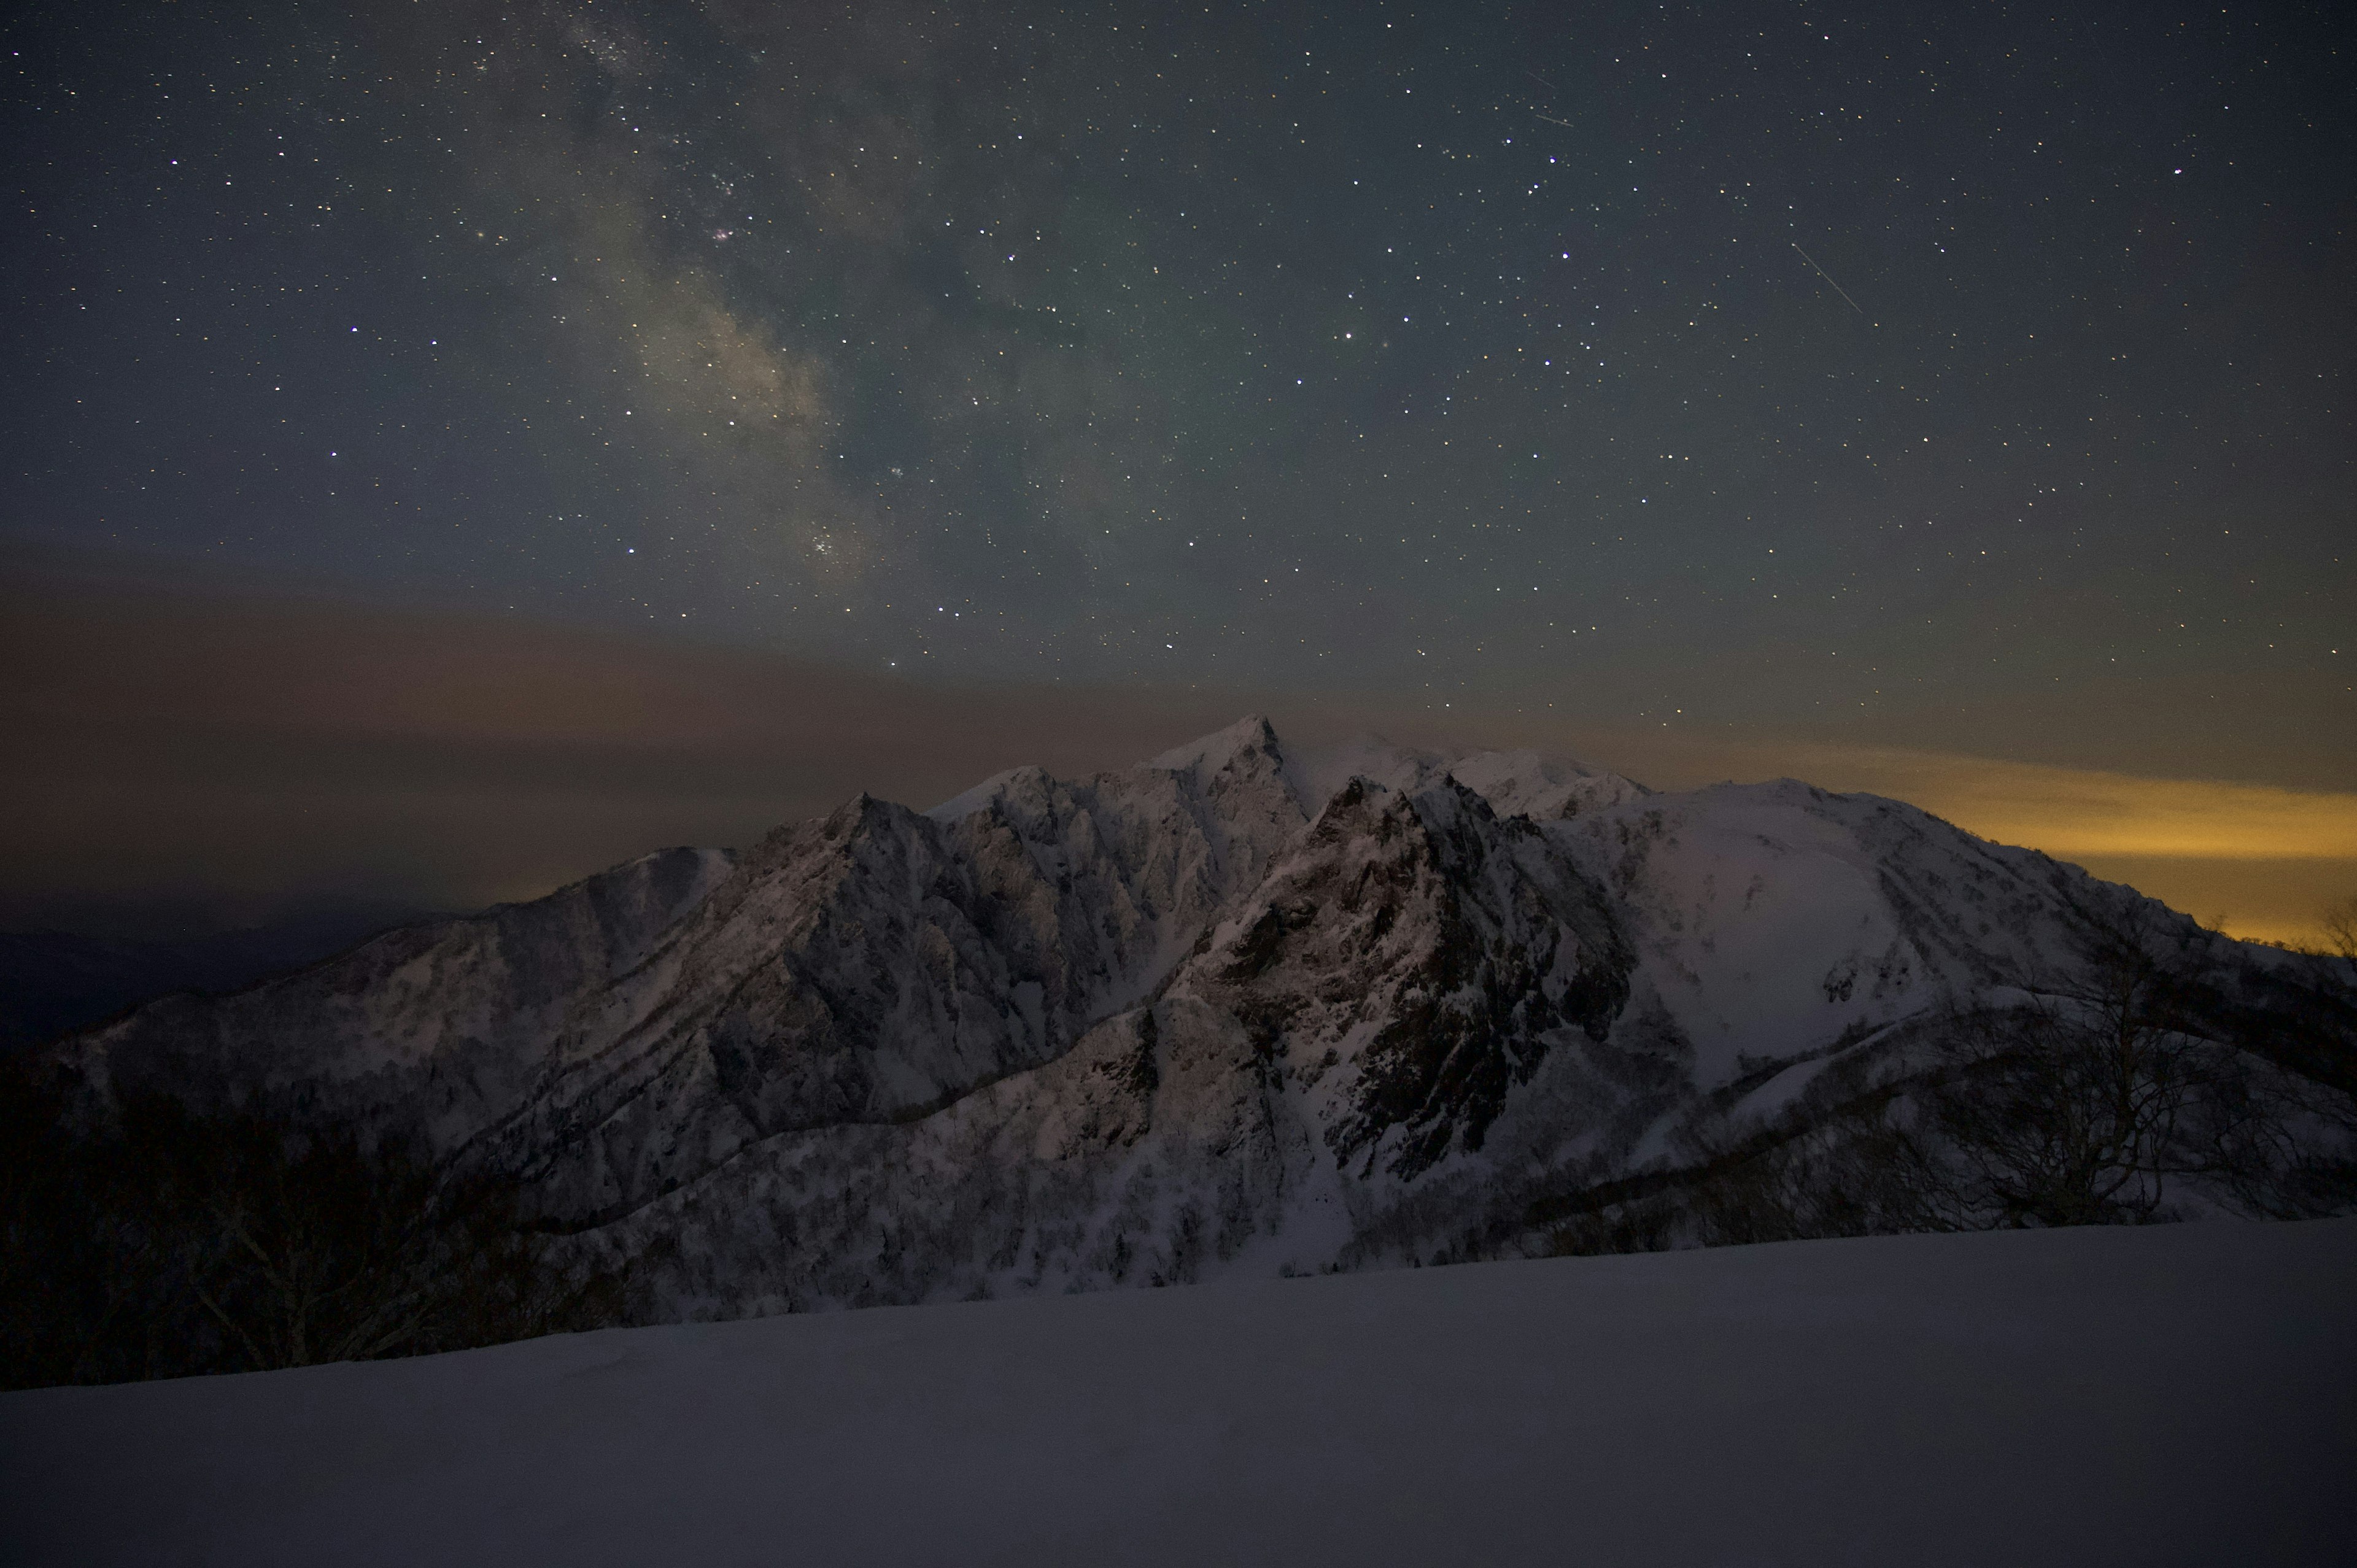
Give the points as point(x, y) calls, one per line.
point(1235, 1010)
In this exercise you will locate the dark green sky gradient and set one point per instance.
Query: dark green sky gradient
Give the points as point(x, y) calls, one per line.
point(1460, 351)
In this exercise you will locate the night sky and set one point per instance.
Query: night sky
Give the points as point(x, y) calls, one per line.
point(1958, 376)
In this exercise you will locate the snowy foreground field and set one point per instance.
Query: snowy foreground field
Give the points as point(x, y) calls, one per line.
point(2182, 1394)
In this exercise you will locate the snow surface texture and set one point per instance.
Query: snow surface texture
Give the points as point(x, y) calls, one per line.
point(1233, 1012)
point(2175, 1394)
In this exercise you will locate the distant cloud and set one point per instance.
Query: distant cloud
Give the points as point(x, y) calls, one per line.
point(242, 755)
point(2072, 812)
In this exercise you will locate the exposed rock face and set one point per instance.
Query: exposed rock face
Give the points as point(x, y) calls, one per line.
point(1233, 1010)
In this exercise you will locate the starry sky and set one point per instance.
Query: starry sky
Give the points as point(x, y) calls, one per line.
point(1964, 377)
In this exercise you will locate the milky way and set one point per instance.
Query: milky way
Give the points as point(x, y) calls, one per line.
point(1490, 354)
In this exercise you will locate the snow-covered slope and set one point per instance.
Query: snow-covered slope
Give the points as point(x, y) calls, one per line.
point(2156, 1396)
point(1237, 1011)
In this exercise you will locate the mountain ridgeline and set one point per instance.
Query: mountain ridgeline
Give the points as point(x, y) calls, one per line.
point(1244, 1011)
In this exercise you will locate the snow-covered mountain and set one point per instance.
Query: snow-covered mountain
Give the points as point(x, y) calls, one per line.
point(1240, 1010)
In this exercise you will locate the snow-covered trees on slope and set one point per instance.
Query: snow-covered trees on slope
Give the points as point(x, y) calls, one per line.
point(163, 1242)
point(2152, 1073)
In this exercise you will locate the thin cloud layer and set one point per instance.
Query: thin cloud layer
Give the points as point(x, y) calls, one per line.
point(243, 754)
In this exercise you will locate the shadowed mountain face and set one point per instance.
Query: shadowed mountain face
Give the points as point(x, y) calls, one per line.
point(1233, 1011)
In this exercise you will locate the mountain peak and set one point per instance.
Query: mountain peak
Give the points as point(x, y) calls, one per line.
point(1250, 735)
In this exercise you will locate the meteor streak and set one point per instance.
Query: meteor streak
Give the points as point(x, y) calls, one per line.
point(1828, 277)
